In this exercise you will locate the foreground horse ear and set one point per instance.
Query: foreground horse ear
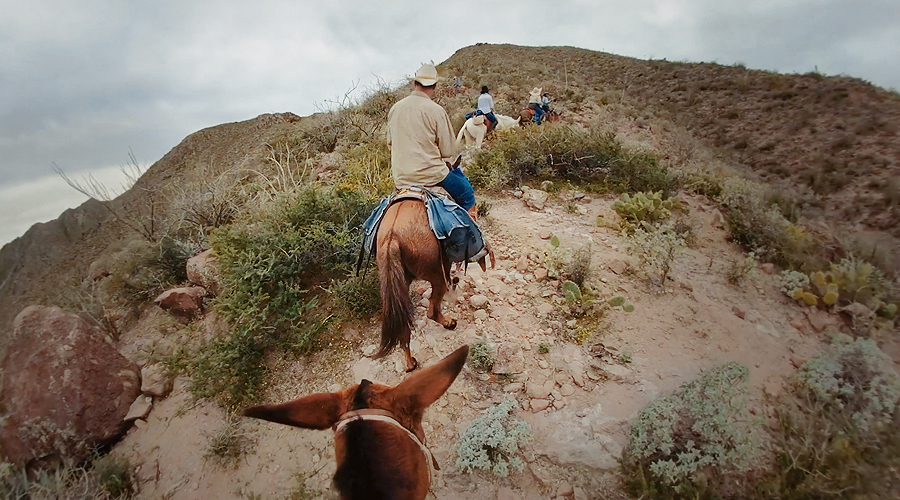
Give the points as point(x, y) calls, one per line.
point(316, 411)
point(428, 385)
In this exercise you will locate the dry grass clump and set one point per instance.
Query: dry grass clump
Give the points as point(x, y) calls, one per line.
point(836, 435)
point(102, 478)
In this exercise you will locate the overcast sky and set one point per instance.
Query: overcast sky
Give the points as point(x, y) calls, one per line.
point(84, 82)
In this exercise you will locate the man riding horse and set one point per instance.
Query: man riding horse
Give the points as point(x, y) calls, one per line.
point(423, 145)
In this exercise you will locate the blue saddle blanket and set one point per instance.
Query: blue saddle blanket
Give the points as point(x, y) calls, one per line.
point(458, 234)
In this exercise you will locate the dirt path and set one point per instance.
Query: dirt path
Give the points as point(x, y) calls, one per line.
point(578, 405)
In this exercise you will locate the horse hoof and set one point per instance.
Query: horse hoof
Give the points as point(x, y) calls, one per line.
point(450, 325)
point(415, 365)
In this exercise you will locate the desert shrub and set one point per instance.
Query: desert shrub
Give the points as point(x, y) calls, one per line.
point(102, 478)
point(207, 200)
point(742, 268)
point(144, 269)
point(481, 355)
point(690, 443)
point(836, 434)
point(357, 296)
point(271, 271)
point(367, 169)
point(492, 441)
point(656, 246)
point(557, 151)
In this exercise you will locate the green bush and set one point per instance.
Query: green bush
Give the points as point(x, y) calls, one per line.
point(649, 207)
point(656, 246)
point(837, 433)
point(689, 444)
point(492, 442)
point(357, 296)
point(272, 272)
point(481, 355)
point(556, 151)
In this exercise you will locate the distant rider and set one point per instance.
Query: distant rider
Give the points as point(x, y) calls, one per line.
point(486, 107)
point(534, 103)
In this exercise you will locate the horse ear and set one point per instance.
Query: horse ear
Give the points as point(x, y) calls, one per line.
point(427, 386)
point(317, 411)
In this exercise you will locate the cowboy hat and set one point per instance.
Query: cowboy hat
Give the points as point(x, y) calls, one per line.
point(536, 92)
point(426, 75)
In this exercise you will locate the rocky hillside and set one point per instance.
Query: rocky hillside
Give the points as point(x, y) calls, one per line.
point(827, 147)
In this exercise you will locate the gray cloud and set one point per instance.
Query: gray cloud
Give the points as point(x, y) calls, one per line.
point(82, 83)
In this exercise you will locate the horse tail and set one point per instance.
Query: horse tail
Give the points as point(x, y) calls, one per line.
point(461, 134)
point(396, 306)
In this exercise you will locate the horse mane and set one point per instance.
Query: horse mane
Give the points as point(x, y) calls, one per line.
point(365, 472)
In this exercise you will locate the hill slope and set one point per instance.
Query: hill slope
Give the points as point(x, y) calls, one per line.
point(800, 133)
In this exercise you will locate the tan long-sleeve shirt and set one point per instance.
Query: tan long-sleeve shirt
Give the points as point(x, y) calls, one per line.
point(421, 141)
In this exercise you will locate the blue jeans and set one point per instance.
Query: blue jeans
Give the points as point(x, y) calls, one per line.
point(538, 112)
point(459, 188)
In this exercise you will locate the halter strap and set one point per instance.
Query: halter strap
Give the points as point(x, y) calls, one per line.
point(376, 415)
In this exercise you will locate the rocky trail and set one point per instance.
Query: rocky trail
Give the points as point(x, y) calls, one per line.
point(578, 399)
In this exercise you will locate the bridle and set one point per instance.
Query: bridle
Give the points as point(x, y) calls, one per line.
point(376, 415)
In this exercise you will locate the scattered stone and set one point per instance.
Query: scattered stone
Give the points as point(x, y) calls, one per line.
point(739, 311)
point(509, 358)
point(544, 234)
point(565, 490)
point(539, 405)
point(768, 268)
point(522, 264)
point(479, 301)
point(155, 380)
point(185, 303)
point(534, 199)
point(139, 409)
point(817, 319)
point(513, 387)
point(544, 309)
point(480, 314)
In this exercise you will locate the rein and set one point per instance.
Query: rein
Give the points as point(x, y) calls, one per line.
point(376, 415)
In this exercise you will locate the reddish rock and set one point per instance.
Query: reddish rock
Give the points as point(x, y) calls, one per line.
point(66, 389)
point(768, 268)
point(203, 271)
point(184, 303)
point(739, 311)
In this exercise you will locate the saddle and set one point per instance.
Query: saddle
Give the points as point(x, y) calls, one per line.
point(460, 238)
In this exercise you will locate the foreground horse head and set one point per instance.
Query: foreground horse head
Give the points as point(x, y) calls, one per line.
point(378, 438)
point(407, 249)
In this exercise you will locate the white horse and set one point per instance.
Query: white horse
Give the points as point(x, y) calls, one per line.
point(475, 128)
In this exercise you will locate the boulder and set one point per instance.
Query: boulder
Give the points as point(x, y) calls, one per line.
point(66, 389)
point(185, 303)
point(203, 271)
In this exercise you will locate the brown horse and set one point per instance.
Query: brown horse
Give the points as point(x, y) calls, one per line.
point(407, 249)
point(526, 116)
point(379, 443)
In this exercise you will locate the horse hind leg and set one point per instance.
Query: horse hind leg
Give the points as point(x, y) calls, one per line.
point(438, 289)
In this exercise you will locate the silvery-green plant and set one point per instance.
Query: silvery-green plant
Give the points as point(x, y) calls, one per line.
point(492, 442)
point(685, 441)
